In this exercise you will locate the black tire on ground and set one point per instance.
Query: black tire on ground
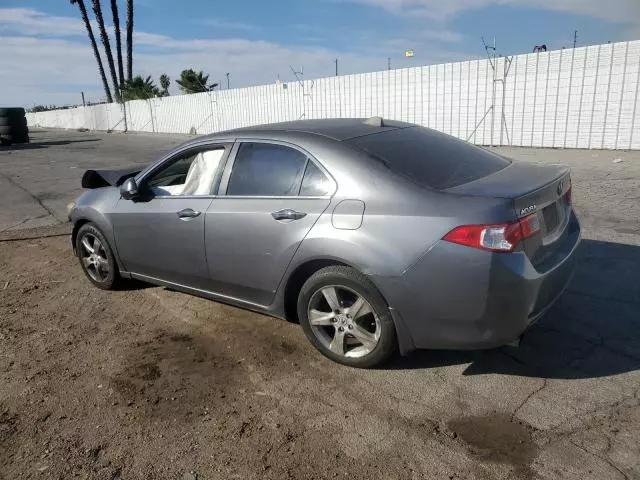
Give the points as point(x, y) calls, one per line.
point(5, 142)
point(14, 130)
point(20, 138)
point(355, 281)
point(112, 278)
point(16, 138)
point(18, 122)
point(12, 112)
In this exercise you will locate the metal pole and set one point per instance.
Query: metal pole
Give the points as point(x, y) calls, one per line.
point(606, 104)
point(593, 99)
point(493, 92)
point(388, 63)
point(566, 118)
point(535, 99)
point(124, 111)
point(635, 106)
point(83, 102)
point(475, 113)
point(555, 111)
point(513, 104)
point(524, 100)
point(336, 60)
point(575, 38)
point(227, 74)
point(546, 94)
point(624, 78)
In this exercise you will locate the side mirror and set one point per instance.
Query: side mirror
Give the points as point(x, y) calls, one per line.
point(129, 189)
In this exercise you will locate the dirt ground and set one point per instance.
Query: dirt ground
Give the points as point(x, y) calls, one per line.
point(147, 383)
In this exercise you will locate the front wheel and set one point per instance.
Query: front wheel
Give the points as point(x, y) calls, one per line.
point(96, 258)
point(344, 316)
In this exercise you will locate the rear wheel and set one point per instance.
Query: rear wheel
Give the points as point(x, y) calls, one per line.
point(344, 316)
point(96, 258)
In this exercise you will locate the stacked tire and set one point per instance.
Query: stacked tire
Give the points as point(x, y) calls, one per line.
point(13, 126)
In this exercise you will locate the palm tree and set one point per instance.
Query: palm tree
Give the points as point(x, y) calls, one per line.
point(116, 28)
point(139, 88)
point(129, 39)
point(165, 81)
point(97, 10)
point(194, 82)
point(96, 52)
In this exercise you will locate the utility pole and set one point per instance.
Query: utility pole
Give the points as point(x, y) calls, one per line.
point(83, 102)
point(336, 61)
point(575, 38)
point(388, 63)
point(227, 74)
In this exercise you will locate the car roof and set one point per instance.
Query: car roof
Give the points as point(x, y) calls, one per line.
point(334, 128)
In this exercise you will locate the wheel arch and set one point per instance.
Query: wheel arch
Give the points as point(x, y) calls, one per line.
point(74, 233)
point(302, 272)
point(102, 223)
point(296, 279)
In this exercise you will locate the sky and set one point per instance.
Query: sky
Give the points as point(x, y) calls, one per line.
point(46, 58)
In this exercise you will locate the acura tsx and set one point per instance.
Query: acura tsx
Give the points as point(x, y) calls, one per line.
point(374, 235)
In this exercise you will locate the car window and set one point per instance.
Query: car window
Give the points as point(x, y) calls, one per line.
point(193, 173)
point(429, 158)
point(263, 169)
point(315, 183)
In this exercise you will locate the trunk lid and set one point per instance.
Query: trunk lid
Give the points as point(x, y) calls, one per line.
point(532, 188)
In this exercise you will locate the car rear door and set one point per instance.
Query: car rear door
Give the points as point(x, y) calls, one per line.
point(270, 196)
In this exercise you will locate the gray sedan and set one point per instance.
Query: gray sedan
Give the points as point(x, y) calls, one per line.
point(374, 235)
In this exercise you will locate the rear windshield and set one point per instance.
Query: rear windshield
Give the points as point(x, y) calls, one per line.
point(429, 158)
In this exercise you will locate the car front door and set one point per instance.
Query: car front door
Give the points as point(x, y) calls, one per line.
point(270, 197)
point(161, 233)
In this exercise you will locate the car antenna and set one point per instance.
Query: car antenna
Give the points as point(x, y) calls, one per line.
point(375, 122)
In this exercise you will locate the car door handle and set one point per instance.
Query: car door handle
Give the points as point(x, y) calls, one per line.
point(288, 214)
point(188, 213)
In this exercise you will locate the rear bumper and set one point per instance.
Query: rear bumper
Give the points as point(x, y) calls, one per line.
point(457, 297)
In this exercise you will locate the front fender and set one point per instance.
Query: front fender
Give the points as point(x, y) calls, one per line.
point(96, 206)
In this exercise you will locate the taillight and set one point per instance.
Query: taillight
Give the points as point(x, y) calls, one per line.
point(496, 238)
point(567, 196)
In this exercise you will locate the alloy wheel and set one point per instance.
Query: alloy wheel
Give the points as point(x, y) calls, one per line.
point(94, 257)
point(344, 321)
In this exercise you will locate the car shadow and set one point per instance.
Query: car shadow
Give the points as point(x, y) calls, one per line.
point(133, 284)
point(45, 144)
point(593, 330)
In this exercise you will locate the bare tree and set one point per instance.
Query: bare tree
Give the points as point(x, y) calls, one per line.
point(116, 28)
point(96, 52)
point(97, 10)
point(129, 39)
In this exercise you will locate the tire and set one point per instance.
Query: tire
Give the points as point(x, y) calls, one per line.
point(18, 122)
point(374, 317)
point(105, 280)
point(14, 130)
point(12, 112)
point(21, 138)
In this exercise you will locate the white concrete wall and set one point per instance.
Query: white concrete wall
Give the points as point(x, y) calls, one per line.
point(586, 97)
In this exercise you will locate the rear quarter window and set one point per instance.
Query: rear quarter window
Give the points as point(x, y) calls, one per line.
point(429, 158)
